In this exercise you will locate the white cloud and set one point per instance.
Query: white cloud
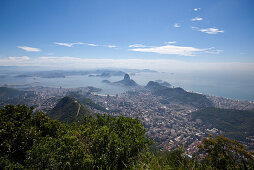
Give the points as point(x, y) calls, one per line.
point(208, 30)
point(93, 45)
point(211, 30)
point(175, 50)
point(14, 60)
point(170, 49)
point(176, 25)
point(29, 49)
point(82, 43)
point(212, 50)
point(68, 44)
point(197, 19)
point(196, 9)
point(96, 45)
point(136, 45)
point(110, 46)
point(170, 42)
point(18, 58)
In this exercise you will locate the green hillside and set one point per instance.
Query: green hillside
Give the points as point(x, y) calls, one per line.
point(10, 92)
point(179, 95)
point(68, 110)
point(86, 101)
point(236, 124)
point(14, 96)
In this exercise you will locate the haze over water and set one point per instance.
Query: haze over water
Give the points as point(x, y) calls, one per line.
point(229, 85)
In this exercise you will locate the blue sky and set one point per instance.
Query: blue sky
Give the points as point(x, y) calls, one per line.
point(133, 33)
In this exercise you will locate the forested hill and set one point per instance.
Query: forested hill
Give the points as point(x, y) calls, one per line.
point(9, 92)
point(13, 93)
point(236, 124)
point(68, 110)
point(14, 96)
point(179, 95)
point(87, 101)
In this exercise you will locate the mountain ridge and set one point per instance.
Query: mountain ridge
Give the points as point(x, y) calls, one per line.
point(178, 95)
point(68, 110)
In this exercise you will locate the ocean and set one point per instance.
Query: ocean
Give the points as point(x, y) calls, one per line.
point(230, 85)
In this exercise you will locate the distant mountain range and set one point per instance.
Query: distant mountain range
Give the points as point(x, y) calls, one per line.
point(163, 83)
point(64, 73)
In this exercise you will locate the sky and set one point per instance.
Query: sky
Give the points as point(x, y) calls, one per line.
point(155, 34)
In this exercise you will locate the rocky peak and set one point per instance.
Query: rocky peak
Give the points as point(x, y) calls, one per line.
point(127, 77)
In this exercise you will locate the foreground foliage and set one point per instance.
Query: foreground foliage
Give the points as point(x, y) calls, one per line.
point(223, 153)
point(33, 141)
point(214, 153)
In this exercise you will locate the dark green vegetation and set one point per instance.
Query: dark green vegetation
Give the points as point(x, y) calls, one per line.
point(9, 92)
point(223, 153)
point(34, 141)
point(14, 96)
point(236, 124)
point(178, 95)
point(90, 103)
point(31, 140)
point(68, 110)
point(214, 153)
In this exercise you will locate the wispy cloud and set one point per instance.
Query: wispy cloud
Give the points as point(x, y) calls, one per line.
point(197, 19)
point(171, 50)
point(92, 45)
point(136, 45)
point(212, 50)
point(14, 60)
point(170, 42)
point(29, 49)
point(69, 44)
point(208, 30)
point(176, 50)
point(82, 43)
point(196, 9)
point(18, 58)
point(110, 46)
point(176, 25)
point(97, 45)
point(211, 30)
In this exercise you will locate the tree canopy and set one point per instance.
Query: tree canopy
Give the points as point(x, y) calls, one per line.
point(32, 140)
